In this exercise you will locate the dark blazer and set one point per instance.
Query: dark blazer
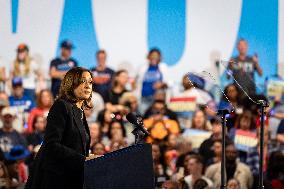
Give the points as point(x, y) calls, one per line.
point(60, 161)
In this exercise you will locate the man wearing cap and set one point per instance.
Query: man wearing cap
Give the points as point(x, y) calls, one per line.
point(18, 98)
point(9, 137)
point(60, 65)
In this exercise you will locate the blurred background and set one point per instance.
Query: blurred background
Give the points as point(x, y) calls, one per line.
point(174, 63)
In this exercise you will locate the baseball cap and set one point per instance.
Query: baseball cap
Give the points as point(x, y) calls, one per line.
point(66, 44)
point(22, 47)
point(17, 81)
point(8, 111)
point(4, 103)
point(196, 80)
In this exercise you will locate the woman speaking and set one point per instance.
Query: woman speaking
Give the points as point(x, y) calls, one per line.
point(60, 161)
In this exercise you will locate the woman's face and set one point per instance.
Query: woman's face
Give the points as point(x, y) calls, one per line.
point(122, 78)
point(46, 99)
point(22, 55)
point(107, 116)
point(84, 90)
point(133, 103)
point(245, 123)
point(172, 141)
point(116, 131)
point(232, 92)
point(156, 152)
point(40, 123)
point(199, 120)
point(99, 149)
point(154, 58)
point(94, 130)
point(217, 147)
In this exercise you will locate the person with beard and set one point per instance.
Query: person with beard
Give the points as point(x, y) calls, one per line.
point(234, 169)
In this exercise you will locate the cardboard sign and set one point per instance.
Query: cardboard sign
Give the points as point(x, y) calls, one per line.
point(183, 106)
point(196, 136)
point(245, 140)
point(275, 87)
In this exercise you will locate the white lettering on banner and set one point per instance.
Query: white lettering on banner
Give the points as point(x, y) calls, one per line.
point(244, 140)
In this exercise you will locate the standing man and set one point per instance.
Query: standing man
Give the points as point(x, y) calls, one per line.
point(244, 66)
point(60, 65)
point(102, 75)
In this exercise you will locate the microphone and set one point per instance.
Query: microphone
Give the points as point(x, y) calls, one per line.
point(137, 121)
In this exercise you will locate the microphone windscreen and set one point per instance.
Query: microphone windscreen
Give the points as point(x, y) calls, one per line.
point(131, 118)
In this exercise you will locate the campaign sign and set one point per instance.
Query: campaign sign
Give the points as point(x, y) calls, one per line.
point(245, 140)
point(275, 88)
point(196, 136)
point(183, 106)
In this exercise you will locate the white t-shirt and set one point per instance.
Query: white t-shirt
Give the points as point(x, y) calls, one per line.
point(188, 181)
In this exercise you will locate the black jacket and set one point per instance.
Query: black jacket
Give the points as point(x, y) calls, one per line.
point(60, 161)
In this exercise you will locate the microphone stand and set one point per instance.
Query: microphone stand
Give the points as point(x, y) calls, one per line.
point(223, 114)
point(139, 136)
point(263, 104)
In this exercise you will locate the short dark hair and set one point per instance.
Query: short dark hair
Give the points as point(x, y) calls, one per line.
point(152, 50)
point(101, 51)
point(116, 74)
point(217, 140)
point(198, 158)
point(71, 81)
point(242, 39)
point(200, 184)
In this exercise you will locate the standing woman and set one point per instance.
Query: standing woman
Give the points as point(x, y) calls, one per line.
point(26, 68)
point(60, 161)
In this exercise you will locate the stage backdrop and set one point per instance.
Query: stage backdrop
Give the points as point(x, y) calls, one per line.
point(192, 34)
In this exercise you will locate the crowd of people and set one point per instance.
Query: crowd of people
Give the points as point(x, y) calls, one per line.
point(185, 131)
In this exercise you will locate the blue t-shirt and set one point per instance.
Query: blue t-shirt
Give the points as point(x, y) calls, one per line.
point(152, 76)
point(25, 102)
point(60, 65)
point(10, 139)
point(104, 79)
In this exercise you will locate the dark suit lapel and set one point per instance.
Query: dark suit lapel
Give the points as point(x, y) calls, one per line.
point(88, 132)
point(80, 126)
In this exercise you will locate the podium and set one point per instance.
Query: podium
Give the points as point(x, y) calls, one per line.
point(127, 168)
